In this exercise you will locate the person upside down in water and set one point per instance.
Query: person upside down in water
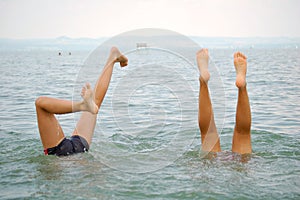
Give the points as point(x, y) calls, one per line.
point(241, 142)
point(51, 133)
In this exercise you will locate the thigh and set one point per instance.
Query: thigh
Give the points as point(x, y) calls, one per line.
point(50, 130)
point(85, 126)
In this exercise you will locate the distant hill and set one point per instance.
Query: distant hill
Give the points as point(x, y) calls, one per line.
point(69, 44)
point(250, 42)
point(57, 44)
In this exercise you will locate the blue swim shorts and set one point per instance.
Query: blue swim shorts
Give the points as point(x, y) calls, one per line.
point(75, 144)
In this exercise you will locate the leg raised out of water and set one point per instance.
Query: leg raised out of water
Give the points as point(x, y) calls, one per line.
point(242, 132)
point(209, 134)
point(86, 124)
point(46, 107)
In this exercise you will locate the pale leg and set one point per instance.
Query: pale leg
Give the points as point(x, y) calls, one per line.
point(209, 134)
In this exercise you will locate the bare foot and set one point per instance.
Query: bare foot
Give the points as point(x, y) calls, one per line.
point(118, 57)
point(202, 60)
point(88, 99)
point(240, 64)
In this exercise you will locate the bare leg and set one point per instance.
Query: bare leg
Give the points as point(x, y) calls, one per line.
point(87, 122)
point(242, 138)
point(209, 134)
point(46, 107)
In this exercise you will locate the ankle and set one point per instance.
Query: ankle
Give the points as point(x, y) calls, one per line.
point(81, 106)
point(241, 87)
point(202, 81)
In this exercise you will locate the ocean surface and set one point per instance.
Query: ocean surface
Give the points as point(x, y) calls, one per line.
point(146, 143)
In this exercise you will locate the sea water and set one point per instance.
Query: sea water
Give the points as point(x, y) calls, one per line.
point(124, 164)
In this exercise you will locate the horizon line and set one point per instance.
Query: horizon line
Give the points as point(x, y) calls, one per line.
point(102, 37)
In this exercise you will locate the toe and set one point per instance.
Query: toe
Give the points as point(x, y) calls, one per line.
point(88, 86)
point(235, 55)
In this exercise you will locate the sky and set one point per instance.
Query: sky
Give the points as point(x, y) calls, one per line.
point(25, 19)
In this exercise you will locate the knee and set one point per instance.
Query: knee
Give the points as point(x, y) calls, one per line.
point(39, 101)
